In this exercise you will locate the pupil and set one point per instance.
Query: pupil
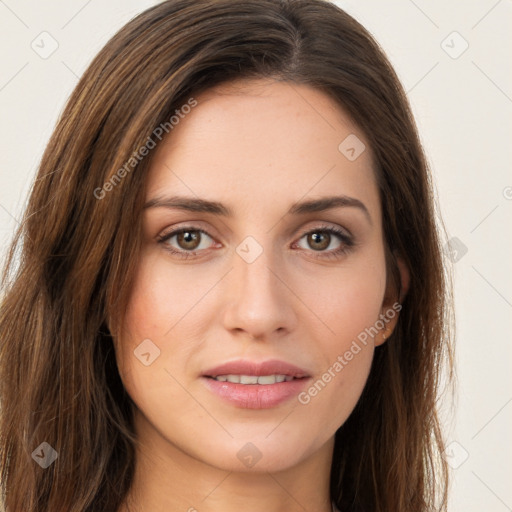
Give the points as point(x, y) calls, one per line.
point(188, 237)
point(317, 238)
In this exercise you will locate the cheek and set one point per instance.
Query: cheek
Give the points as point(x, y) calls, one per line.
point(349, 305)
point(146, 311)
point(166, 305)
point(348, 299)
point(162, 295)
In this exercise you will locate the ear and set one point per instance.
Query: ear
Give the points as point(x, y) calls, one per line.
point(392, 304)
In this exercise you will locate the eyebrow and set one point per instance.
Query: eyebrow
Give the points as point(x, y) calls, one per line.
point(193, 204)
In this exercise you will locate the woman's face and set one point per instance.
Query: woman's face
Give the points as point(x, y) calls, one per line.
point(256, 287)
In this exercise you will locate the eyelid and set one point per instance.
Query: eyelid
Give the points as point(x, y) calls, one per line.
point(184, 226)
point(177, 230)
point(326, 226)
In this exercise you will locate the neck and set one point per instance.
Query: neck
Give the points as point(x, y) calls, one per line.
point(166, 478)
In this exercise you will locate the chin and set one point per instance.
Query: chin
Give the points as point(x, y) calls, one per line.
point(257, 454)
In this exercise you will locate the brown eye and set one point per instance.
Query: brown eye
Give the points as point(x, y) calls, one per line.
point(319, 240)
point(188, 240)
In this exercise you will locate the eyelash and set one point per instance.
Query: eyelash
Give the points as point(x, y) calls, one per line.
point(347, 241)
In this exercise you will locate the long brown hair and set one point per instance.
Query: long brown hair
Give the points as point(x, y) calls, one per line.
point(71, 264)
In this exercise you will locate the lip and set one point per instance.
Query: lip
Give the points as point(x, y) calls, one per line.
point(256, 396)
point(245, 367)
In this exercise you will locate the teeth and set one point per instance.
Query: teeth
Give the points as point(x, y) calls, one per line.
point(266, 379)
point(254, 379)
point(249, 379)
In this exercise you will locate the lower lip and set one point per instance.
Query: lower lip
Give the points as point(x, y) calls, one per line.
point(256, 396)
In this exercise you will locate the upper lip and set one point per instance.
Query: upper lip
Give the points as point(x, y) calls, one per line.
point(245, 367)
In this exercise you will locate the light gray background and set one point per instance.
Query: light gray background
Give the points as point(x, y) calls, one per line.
point(463, 107)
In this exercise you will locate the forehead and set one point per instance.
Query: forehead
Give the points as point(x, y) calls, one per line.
point(263, 142)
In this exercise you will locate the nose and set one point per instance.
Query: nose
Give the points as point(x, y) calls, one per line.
point(259, 300)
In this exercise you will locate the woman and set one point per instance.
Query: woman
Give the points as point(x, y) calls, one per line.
point(229, 289)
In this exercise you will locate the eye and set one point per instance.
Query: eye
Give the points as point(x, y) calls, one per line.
point(321, 238)
point(187, 239)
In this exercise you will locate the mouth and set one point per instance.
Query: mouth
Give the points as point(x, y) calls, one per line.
point(253, 385)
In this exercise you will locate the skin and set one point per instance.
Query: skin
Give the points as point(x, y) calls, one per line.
point(256, 146)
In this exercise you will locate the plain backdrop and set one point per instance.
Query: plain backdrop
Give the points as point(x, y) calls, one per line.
point(454, 61)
